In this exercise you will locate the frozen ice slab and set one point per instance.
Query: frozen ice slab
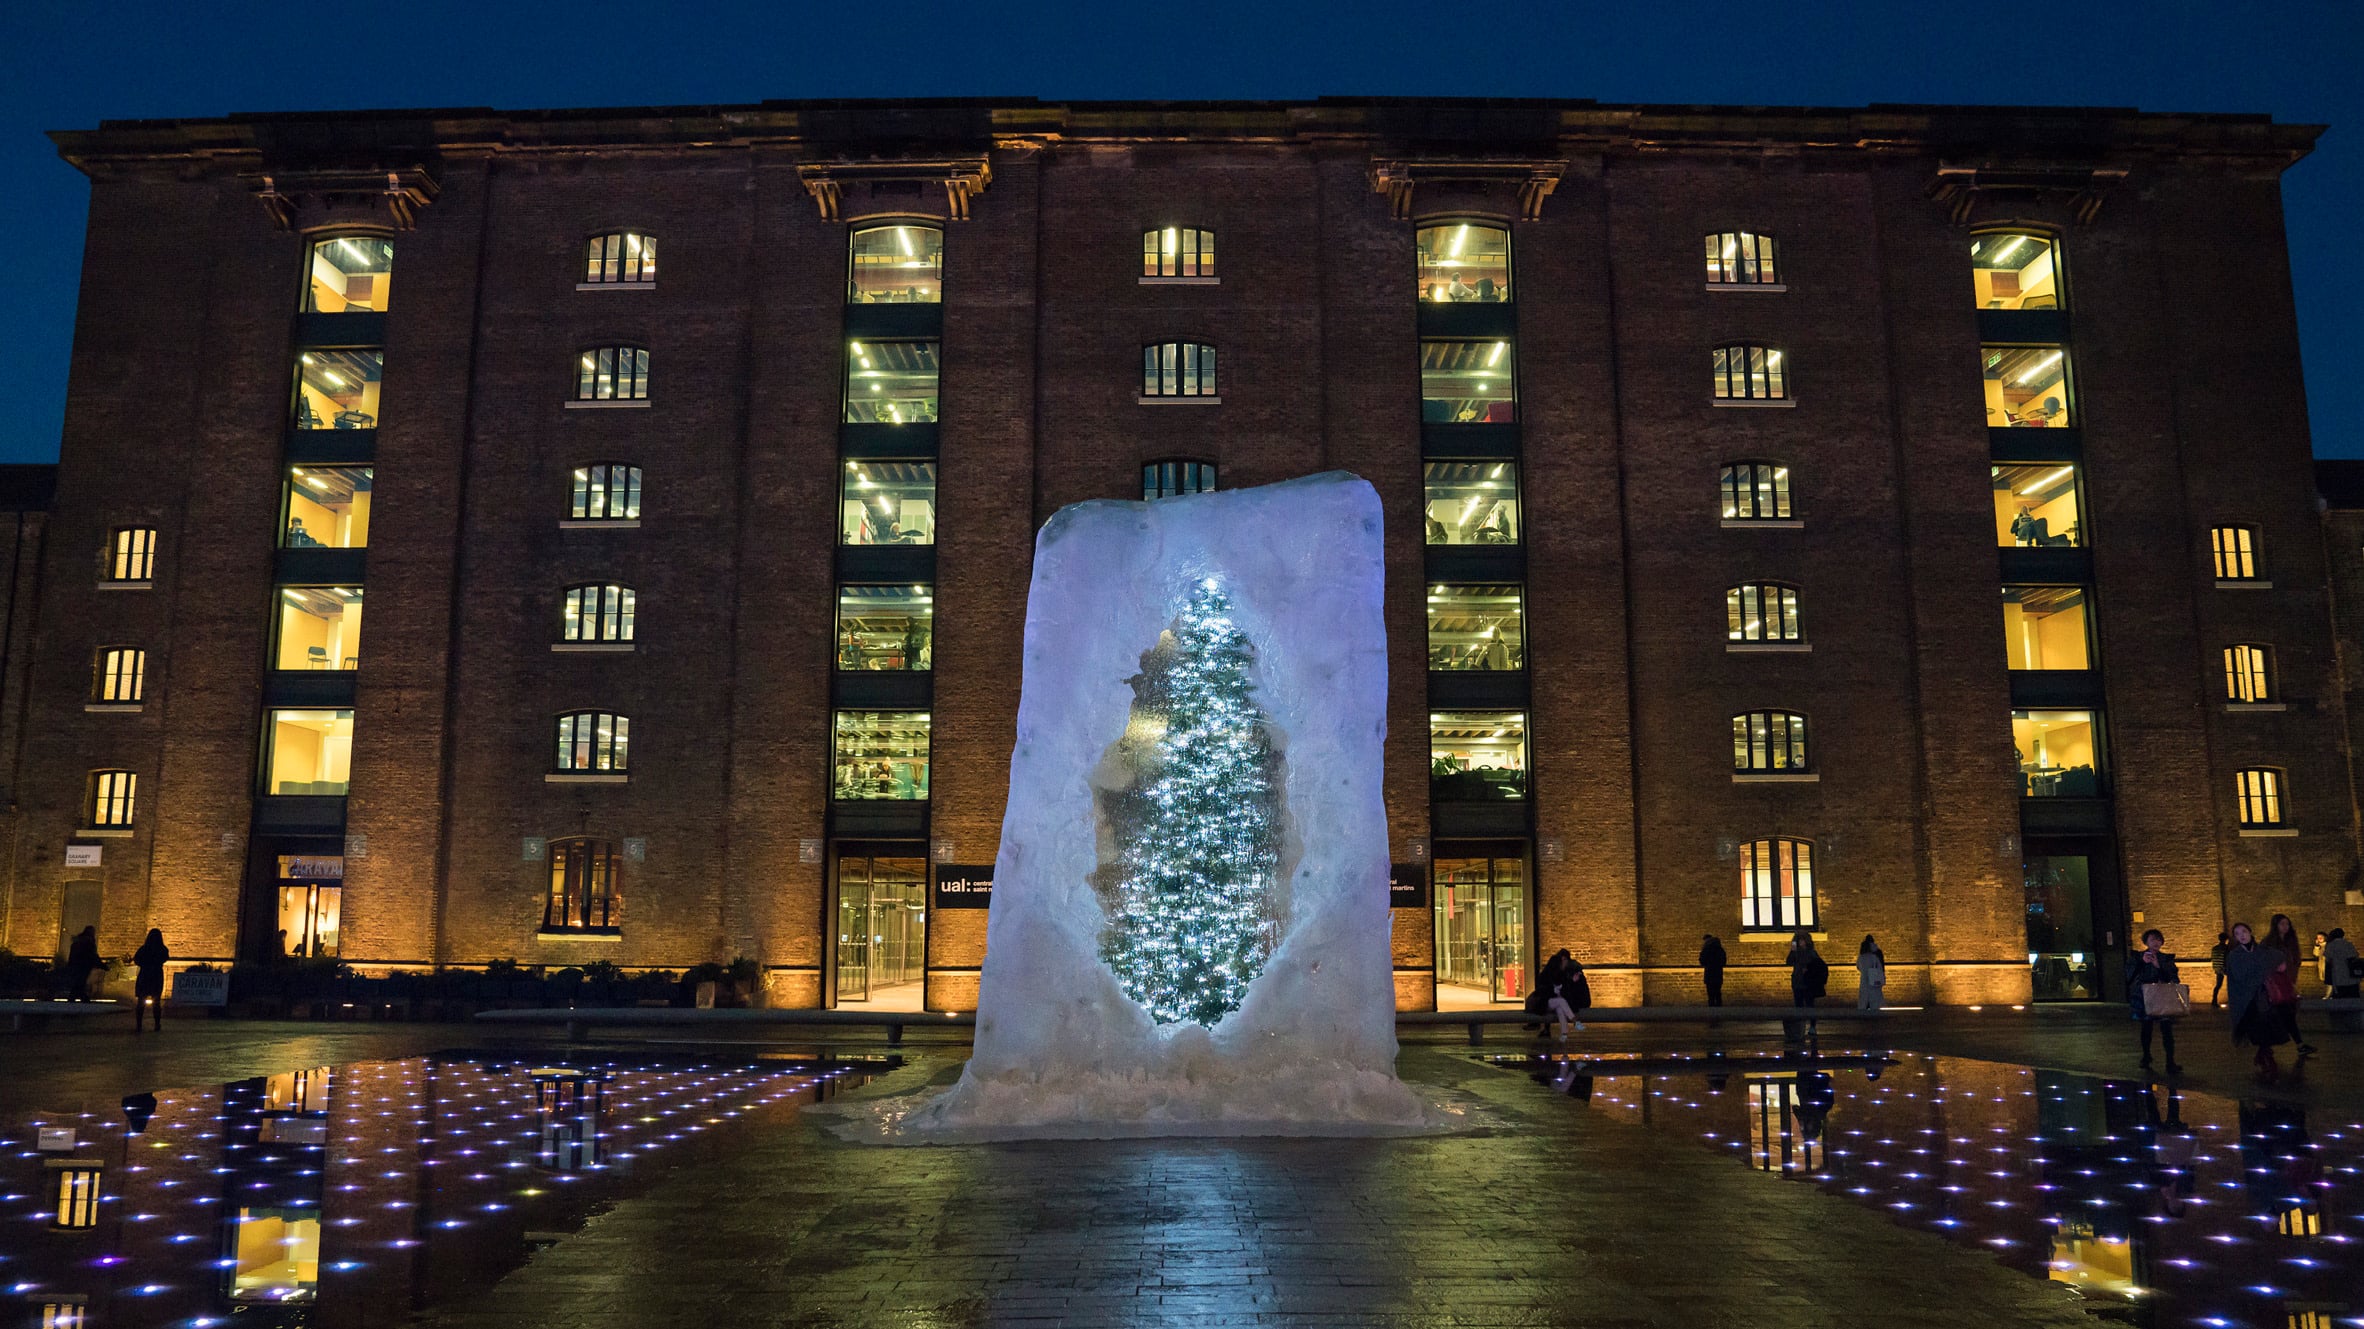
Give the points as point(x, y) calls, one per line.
point(1061, 1050)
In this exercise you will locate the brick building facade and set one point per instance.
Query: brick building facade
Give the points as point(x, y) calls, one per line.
point(1675, 412)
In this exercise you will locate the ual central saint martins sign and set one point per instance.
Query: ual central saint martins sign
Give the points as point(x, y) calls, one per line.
point(959, 887)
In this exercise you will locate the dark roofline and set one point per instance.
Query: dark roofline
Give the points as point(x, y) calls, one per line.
point(2341, 483)
point(27, 486)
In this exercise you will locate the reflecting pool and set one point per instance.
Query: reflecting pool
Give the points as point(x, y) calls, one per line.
point(2158, 1206)
point(353, 1195)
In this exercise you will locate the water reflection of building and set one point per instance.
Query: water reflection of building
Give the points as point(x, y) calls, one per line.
point(569, 1106)
point(1788, 1118)
point(275, 1133)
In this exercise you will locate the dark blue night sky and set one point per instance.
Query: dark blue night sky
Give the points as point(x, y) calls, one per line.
point(68, 66)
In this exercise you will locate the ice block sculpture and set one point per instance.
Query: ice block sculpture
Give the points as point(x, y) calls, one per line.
point(1195, 796)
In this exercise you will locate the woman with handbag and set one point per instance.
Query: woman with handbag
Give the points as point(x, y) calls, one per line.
point(2282, 991)
point(2157, 998)
point(2248, 970)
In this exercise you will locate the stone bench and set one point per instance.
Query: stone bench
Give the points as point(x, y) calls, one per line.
point(25, 1015)
point(1476, 1020)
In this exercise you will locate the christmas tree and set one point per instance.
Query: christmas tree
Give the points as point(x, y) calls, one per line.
point(1193, 896)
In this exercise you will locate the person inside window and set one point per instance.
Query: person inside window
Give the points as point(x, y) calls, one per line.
point(1460, 291)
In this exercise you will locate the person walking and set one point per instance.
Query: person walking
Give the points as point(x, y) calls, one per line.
point(2216, 965)
point(2343, 969)
point(1871, 974)
point(1711, 968)
point(2153, 967)
point(2248, 967)
point(82, 960)
point(2282, 935)
point(1809, 979)
point(147, 984)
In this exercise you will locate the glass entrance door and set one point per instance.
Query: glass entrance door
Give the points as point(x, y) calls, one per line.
point(853, 933)
point(882, 935)
point(1481, 929)
point(2060, 936)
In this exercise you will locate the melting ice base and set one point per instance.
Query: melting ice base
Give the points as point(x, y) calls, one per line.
point(1060, 1051)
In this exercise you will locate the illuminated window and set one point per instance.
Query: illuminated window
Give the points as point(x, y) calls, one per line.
point(598, 613)
point(891, 382)
point(1464, 263)
point(2026, 387)
point(1477, 756)
point(1762, 612)
point(1468, 382)
point(319, 627)
point(349, 274)
point(65, 1315)
point(612, 373)
point(619, 258)
point(2045, 627)
point(311, 911)
point(278, 1256)
point(2259, 790)
point(881, 755)
point(1471, 502)
point(885, 627)
point(1178, 369)
point(1170, 479)
point(1777, 885)
point(1768, 742)
point(2249, 673)
point(1741, 258)
point(1755, 491)
point(592, 742)
point(2059, 753)
point(582, 885)
point(2236, 551)
point(887, 503)
point(900, 263)
point(131, 554)
point(1475, 628)
point(112, 800)
point(121, 675)
point(1177, 251)
point(327, 507)
point(606, 491)
point(77, 1198)
point(2304, 1219)
point(2014, 270)
point(308, 752)
point(338, 389)
point(2036, 506)
point(1750, 373)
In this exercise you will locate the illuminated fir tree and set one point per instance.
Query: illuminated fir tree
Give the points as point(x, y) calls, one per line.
point(1193, 907)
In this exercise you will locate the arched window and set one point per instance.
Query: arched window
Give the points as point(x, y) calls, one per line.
point(1769, 742)
point(349, 274)
point(2260, 792)
point(2015, 270)
point(1166, 479)
point(593, 742)
point(1755, 491)
point(620, 258)
point(1762, 612)
point(131, 555)
point(121, 675)
point(2249, 673)
point(1178, 369)
point(1749, 372)
point(2238, 552)
point(612, 373)
point(606, 491)
point(112, 800)
point(897, 263)
point(1177, 251)
point(1464, 263)
point(1741, 258)
point(599, 613)
point(1777, 884)
point(582, 886)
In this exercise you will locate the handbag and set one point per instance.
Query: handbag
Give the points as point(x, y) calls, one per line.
point(2280, 988)
point(2166, 1001)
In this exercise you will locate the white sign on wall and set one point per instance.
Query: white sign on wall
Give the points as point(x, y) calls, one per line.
point(85, 855)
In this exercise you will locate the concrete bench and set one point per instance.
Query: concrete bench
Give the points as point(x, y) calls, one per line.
point(1477, 1020)
point(24, 1015)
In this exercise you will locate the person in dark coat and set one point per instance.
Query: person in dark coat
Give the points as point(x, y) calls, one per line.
point(2247, 966)
point(1809, 979)
point(82, 960)
point(1711, 968)
point(147, 984)
point(2152, 965)
point(2282, 935)
point(1547, 986)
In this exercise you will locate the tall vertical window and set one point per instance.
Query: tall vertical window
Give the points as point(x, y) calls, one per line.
point(887, 503)
point(891, 382)
point(1777, 885)
point(2014, 270)
point(598, 613)
point(1468, 382)
point(122, 675)
point(1741, 258)
point(1177, 251)
point(1170, 479)
point(77, 1198)
point(885, 628)
point(605, 491)
point(1464, 263)
point(591, 742)
point(1755, 491)
point(131, 554)
point(612, 373)
point(2046, 627)
point(900, 263)
point(582, 885)
point(1762, 612)
point(2059, 753)
point(327, 507)
point(1750, 373)
point(2236, 552)
point(2249, 673)
point(881, 755)
point(2259, 792)
point(1475, 628)
point(308, 753)
point(1471, 502)
point(1766, 742)
point(319, 627)
point(2036, 506)
point(113, 800)
point(620, 257)
point(1477, 756)
point(1178, 369)
point(2026, 387)
point(338, 389)
point(349, 274)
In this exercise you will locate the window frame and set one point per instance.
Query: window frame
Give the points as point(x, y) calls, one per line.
point(2249, 559)
point(2249, 669)
point(2261, 798)
point(589, 278)
point(1762, 863)
point(1514, 645)
point(1757, 749)
point(1190, 363)
point(2070, 415)
point(1502, 225)
point(2054, 240)
point(108, 675)
point(1190, 469)
point(81, 1185)
point(616, 606)
point(842, 646)
point(578, 730)
point(588, 375)
point(1775, 373)
point(1200, 260)
point(125, 543)
point(580, 483)
point(855, 228)
point(313, 241)
point(1784, 496)
point(1735, 610)
point(584, 871)
point(111, 789)
point(1768, 261)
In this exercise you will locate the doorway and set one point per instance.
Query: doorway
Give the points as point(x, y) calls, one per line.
point(1480, 898)
point(77, 909)
point(882, 929)
point(2073, 936)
